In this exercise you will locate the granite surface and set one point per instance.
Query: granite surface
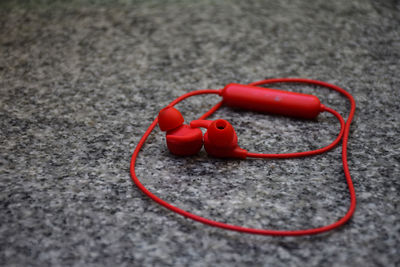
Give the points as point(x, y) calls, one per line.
point(80, 81)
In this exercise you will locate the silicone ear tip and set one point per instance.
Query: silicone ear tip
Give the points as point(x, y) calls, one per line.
point(221, 133)
point(169, 118)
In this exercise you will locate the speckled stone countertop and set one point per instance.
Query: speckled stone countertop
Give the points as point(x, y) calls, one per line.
point(81, 81)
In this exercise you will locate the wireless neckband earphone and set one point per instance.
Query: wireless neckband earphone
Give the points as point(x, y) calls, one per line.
point(220, 139)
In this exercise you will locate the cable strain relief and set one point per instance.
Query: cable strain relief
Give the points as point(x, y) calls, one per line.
point(322, 107)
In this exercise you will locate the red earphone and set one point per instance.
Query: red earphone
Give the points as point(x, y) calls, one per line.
point(220, 139)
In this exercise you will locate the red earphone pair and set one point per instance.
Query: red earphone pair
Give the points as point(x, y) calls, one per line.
point(220, 139)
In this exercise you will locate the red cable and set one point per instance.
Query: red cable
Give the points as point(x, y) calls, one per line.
point(345, 128)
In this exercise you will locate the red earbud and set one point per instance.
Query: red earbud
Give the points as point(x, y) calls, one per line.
point(220, 140)
point(182, 140)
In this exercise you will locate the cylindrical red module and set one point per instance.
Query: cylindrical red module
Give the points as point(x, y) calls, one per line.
point(271, 101)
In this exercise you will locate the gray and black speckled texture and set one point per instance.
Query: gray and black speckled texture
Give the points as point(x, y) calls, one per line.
point(81, 81)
